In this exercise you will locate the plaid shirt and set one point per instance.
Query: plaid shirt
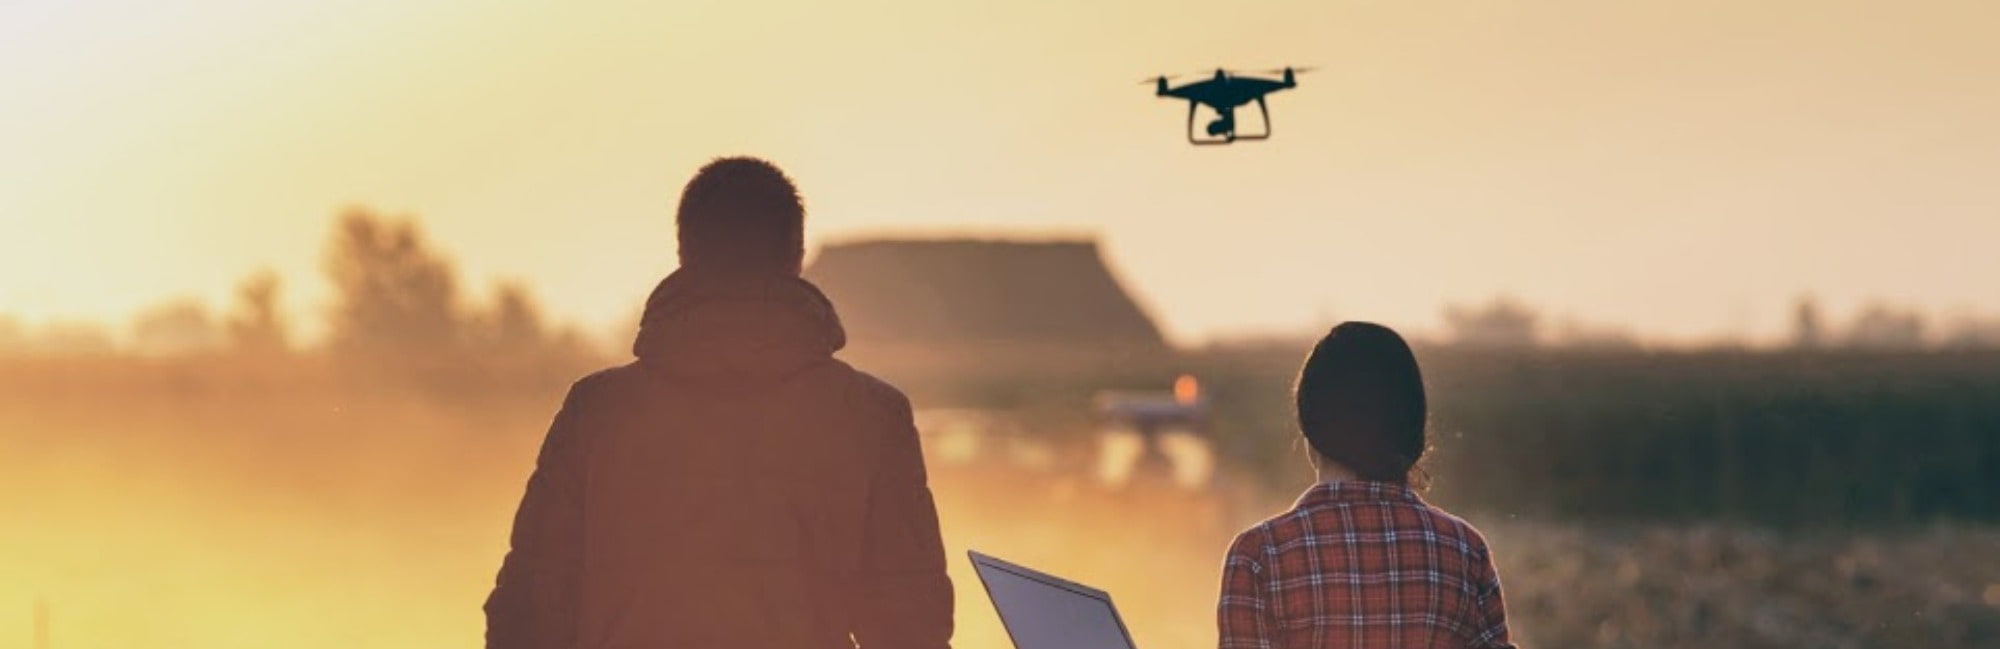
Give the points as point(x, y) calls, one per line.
point(1362, 565)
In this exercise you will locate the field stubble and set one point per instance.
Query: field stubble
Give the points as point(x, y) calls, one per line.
point(256, 515)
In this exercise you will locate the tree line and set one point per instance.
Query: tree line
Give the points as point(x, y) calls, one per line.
point(395, 297)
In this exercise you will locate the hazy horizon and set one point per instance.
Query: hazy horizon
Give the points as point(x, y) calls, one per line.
point(1684, 169)
point(305, 327)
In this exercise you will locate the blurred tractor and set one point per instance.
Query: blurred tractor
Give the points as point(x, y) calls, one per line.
point(1156, 439)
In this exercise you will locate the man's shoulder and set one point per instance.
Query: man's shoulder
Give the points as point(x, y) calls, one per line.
point(632, 376)
point(609, 379)
point(875, 388)
point(882, 401)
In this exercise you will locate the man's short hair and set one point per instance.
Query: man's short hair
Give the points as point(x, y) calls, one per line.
point(741, 215)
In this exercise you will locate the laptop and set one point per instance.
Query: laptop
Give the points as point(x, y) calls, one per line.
point(1043, 611)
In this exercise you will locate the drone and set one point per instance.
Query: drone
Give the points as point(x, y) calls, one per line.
point(1223, 93)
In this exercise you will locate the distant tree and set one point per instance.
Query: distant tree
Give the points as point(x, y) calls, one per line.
point(1808, 328)
point(175, 328)
point(393, 295)
point(1579, 335)
point(255, 324)
point(1885, 327)
point(514, 321)
point(1974, 333)
point(514, 326)
point(13, 339)
point(1502, 323)
point(74, 338)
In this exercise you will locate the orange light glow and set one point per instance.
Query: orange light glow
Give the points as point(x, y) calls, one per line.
point(1187, 390)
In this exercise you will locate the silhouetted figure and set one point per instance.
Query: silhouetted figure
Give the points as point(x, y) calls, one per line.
point(735, 486)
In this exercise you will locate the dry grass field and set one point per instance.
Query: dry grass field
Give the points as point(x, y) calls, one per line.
point(151, 507)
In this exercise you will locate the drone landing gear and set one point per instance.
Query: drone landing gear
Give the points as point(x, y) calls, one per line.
point(1222, 130)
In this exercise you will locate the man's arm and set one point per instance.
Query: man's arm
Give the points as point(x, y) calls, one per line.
point(533, 605)
point(904, 598)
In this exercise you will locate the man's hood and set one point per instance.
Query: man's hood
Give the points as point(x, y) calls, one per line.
point(738, 327)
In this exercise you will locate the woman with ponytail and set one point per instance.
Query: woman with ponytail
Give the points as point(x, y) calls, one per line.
point(1361, 560)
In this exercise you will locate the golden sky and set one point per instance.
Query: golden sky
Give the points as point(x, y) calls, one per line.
point(1684, 167)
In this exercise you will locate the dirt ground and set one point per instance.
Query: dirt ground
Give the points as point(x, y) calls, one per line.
point(297, 519)
point(1568, 584)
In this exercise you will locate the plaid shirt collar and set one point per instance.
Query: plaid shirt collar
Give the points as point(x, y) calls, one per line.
point(1355, 491)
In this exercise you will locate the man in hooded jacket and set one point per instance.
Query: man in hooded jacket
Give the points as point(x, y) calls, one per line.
point(735, 487)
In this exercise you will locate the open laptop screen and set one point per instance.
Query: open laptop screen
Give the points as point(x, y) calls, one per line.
point(1042, 611)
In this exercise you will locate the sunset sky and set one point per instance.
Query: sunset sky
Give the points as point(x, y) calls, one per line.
point(1687, 168)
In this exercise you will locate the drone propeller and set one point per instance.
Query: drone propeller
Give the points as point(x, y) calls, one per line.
point(1297, 70)
point(1170, 77)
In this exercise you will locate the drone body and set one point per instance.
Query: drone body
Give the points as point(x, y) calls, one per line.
point(1224, 93)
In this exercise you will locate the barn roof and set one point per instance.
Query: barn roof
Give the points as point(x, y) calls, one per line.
point(979, 291)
